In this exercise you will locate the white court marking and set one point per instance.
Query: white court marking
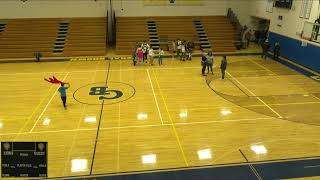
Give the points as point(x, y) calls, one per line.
point(144, 69)
point(316, 166)
point(140, 126)
point(48, 104)
point(279, 116)
point(155, 97)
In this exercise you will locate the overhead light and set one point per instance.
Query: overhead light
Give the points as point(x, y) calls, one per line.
point(79, 165)
point(226, 112)
point(90, 119)
point(1, 124)
point(259, 149)
point(142, 116)
point(149, 159)
point(183, 114)
point(204, 154)
point(46, 122)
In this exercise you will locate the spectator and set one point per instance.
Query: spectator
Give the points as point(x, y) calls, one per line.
point(174, 46)
point(210, 62)
point(151, 55)
point(145, 49)
point(179, 44)
point(140, 54)
point(203, 63)
point(183, 52)
point(248, 38)
point(276, 51)
point(160, 57)
point(223, 66)
point(134, 55)
point(38, 56)
point(190, 47)
point(265, 48)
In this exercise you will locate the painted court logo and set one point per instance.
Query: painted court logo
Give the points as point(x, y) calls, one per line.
point(103, 93)
point(93, 94)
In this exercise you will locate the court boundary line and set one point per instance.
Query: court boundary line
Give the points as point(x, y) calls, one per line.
point(172, 124)
point(263, 67)
point(45, 108)
point(155, 98)
point(127, 69)
point(275, 112)
point(143, 126)
point(217, 92)
point(37, 107)
point(118, 130)
point(315, 96)
point(79, 123)
point(284, 104)
point(238, 87)
point(253, 169)
point(316, 166)
point(280, 160)
point(99, 122)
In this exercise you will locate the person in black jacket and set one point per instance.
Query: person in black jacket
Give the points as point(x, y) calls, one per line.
point(223, 66)
point(203, 63)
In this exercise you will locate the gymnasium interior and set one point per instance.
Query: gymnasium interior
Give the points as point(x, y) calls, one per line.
point(121, 89)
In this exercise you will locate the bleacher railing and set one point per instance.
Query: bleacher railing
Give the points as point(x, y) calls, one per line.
point(236, 23)
point(311, 32)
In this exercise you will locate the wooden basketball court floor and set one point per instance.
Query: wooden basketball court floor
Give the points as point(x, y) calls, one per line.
point(166, 117)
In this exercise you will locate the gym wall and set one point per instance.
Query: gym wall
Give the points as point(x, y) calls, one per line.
point(207, 7)
point(287, 33)
point(12, 9)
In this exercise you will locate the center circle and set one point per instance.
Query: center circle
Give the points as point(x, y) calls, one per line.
point(96, 93)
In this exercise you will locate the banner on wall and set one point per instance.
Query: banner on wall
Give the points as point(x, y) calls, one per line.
point(173, 2)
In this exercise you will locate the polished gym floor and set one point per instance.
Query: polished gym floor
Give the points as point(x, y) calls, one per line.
point(160, 117)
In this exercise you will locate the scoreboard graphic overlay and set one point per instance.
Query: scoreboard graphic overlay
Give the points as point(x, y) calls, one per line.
point(24, 159)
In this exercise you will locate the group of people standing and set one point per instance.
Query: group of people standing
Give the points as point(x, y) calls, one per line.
point(183, 49)
point(207, 61)
point(141, 53)
point(265, 48)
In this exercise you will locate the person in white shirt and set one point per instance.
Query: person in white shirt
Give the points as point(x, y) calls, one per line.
point(160, 57)
point(183, 52)
point(151, 56)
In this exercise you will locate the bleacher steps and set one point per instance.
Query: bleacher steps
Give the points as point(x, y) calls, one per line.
point(2, 27)
point(153, 34)
point(202, 35)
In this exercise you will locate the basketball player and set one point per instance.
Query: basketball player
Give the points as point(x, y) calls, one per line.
point(63, 94)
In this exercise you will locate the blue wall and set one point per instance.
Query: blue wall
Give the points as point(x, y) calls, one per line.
point(308, 56)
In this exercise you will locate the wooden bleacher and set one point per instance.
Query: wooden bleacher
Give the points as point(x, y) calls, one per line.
point(129, 31)
point(23, 37)
point(220, 33)
point(86, 37)
point(134, 29)
point(176, 27)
